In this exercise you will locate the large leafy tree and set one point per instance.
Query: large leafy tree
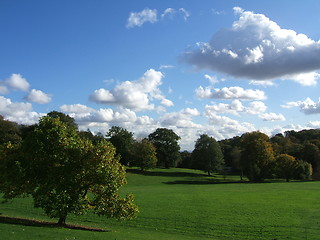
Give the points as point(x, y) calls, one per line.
point(166, 142)
point(145, 155)
point(123, 141)
point(257, 156)
point(207, 155)
point(65, 173)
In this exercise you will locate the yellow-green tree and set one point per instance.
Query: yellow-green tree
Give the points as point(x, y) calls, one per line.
point(257, 156)
point(286, 166)
point(145, 155)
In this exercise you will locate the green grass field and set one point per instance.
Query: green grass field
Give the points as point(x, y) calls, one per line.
point(186, 204)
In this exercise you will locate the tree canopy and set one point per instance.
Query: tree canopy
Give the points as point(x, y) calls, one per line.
point(123, 141)
point(207, 155)
point(256, 156)
point(167, 146)
point(65, 173)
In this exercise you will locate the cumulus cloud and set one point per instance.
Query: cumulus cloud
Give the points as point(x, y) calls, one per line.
point(181, 119)
point(38, 96)
point(257, 48)
point(307, 106)
point(18, 112)
point(236, 107)
point(76, 108)
point(230, 93)
point(137, 19)
point(272, 117)
point(135, 95)
point(14, 82)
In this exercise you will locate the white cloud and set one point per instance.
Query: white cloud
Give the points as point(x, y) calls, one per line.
point(76, 108)
point(236, 107)
point(18, 112)
point(38, 96)
point(166, 66)
point(185, 13)
point(169, 12)
point(181, 119)
point(135, 95)
point(167, 103)
point(14, 82)
point(314, 124)
point(212, 79)
point(137, 19)
point(257, 48)
point(307, 106)
point(230, 93)
point(266, 83)
point(272, 117)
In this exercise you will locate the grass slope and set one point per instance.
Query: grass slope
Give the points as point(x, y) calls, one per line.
point(186, 204)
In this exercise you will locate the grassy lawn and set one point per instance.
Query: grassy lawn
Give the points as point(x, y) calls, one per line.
point(187, 204)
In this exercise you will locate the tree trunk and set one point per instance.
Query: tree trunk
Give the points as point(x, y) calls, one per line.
point(62, 220)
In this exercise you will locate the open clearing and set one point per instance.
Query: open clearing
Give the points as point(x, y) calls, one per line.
point(186, 204)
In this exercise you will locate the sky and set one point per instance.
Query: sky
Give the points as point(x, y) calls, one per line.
point(212, 67)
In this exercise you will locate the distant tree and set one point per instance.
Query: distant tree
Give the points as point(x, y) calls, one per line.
point(9, 131)
point(304, 171)
point(90, 136)
point(186, 160)
point(166, 143)
point(65, 174)
point(286, 166)
point(145, 155)
point(207, 155)
point(123, 141)
point(257, 156)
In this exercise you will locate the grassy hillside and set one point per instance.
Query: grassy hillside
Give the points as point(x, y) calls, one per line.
point(186, 204)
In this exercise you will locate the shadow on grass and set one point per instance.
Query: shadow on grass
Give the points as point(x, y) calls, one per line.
point(165, 174)
point(37, 223)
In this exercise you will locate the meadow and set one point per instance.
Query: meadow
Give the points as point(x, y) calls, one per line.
point(187, 204)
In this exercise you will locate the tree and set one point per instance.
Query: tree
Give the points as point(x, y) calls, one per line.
point(63, 118)
point(123, 141)
point(166, 142)
point(207, 155)
point(145, 155)
point(9, 132)
point(186, 159)
point(65, 173)
point(257, 156)
point(286, 166)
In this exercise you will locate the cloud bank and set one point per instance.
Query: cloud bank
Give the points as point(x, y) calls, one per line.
point(257, 48)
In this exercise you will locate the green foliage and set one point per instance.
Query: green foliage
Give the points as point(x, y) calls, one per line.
point(286, 166)
point(257, 156)
point(123, 141)
point(207, 155)
point(69, 121)
point(9, 132)
point(166, 142)
point(145, 155)
point(67, 174)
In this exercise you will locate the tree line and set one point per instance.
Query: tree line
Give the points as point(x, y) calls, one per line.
point(70, 171)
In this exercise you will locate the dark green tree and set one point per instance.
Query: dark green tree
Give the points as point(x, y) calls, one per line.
point(166, 142)
point(65, 173)
point(257, 158)
point(63, 118)
point(207, 155)
point(186, 160)
point(145, 155)
point(123, 141)
point(9, 131)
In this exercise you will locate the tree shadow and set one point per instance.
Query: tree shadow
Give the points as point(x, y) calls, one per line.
point(37, 223)
point(165, 174)
point(212, 181)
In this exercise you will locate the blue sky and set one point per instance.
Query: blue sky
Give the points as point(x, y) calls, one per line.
point(216, 67)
